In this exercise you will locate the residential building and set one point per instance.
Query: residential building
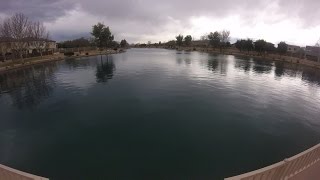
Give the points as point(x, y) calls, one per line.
point(313, 53)
point(200, 43)
point(293, 48)
point(27, 45)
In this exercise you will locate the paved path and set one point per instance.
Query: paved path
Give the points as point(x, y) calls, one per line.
point(311, 173)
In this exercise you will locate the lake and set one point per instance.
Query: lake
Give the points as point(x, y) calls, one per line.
point(156, 114)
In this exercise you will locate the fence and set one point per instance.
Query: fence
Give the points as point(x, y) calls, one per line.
point(7, 173)
point(285, 169)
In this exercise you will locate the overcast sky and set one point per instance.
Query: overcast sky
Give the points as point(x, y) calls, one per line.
point(293, 21)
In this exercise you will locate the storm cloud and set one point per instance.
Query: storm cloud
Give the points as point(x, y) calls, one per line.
point(143, 20)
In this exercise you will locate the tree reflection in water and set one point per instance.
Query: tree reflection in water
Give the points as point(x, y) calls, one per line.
point(217, 63)
point(213, 64)
point(262, 66)
point(308, 74)
point(279, 69)
point(28, 87)
point(243, 63)
point(105, 70)
point(311, 75)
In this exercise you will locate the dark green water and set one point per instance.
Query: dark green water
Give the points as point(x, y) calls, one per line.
point(156, 114)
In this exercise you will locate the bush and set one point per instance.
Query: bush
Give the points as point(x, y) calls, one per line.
point(69, 53)
point(87, 54)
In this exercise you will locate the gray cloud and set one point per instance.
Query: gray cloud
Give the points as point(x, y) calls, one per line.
point(45, 10)
point(136, 17)
point(306, 10)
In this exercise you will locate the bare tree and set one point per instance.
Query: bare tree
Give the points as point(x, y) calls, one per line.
point(39, 36)
point(204, 37)
point(47, 44)
point(5, 41)
point(318, 49)
point(18, 34)
point(225, 38)
point(20, 29)
point(3, 53)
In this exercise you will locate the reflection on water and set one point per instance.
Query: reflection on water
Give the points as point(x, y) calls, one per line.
point(244, 64)
point(312, 75)
point(213, 64)
point(218, 63)
point(279, 69)
point(71, 62)
point(28, 87)
point(164, 109)
point(183, 57)
point(262, 66)
point(105, 70)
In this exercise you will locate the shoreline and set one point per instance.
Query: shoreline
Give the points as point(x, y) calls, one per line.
point(270, 57)
point(54, 58)
point(60, 57)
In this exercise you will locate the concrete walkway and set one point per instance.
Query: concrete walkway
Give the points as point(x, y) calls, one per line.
point(7, 173)
point(311, 173)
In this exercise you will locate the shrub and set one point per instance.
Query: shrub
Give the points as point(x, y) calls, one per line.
point(69, 53)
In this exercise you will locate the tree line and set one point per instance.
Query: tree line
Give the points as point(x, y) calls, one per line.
point(215, 39)
point(261, 46)
point(102, 38)
point(18, 33)
point(221, 40)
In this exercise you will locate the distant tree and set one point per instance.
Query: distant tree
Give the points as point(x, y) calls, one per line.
point(214, 39)
point(114, 44)
point(40, 36)
point(18, 27)
point(143, 45)
point(171, 44)
point(149, 43)
point(260, 46)
point(159, 42)
point(270, 48)
point(179, 39)
point(224, 38)
point(318, 45)
point(76, 43)
point(204, 37)
point(123, 43)
point(244, 45)
point(5, 45)
point(240, 44)
point(102, 35)
point(249, 46)
point(282, 48)
point(188, 40)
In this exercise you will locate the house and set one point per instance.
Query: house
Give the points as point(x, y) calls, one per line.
point(40, 44)
point(293, 48)
point(200, 43)
point(27, 46)
point(313, 53)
